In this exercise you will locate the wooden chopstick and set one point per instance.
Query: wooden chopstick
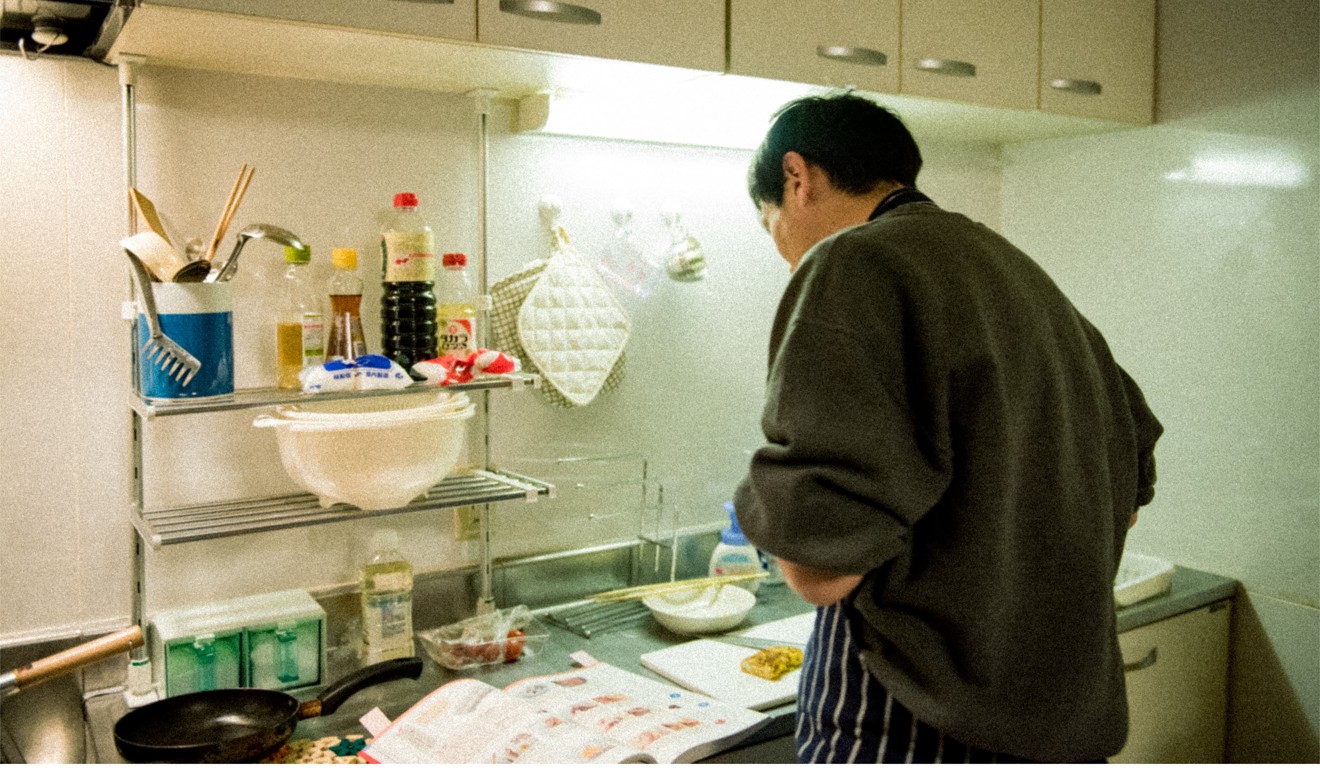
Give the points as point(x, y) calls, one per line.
point(236, 194)
point(660, 589)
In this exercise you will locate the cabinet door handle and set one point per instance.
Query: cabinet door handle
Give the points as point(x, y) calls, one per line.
point(1084, 87)
point(549, 10)
point(958, 69)
point(427, 2)
point(1145, 662)
point(853, 55)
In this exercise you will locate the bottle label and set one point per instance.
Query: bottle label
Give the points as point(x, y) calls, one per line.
point(408, 256)
point(458, 336)
point(313, 339)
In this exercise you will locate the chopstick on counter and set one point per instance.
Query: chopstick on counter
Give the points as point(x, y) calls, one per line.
point(676, 586)
point(231, 207)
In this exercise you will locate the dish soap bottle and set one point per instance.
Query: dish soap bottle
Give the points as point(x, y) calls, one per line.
point(456, 308)
point(300, 325)
point(734, 555)
point(386, 585)
point(345, 338)
point(407, 308)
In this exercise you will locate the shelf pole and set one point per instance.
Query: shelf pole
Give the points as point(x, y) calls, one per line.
point(482, 98)
point(139, 688)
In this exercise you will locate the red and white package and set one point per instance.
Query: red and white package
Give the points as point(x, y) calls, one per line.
point(452, 369)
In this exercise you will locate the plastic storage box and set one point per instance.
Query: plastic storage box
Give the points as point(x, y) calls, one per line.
point(274, 641)
point(1141, 577)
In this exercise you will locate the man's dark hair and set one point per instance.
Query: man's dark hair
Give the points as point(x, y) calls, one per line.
point(856, 142)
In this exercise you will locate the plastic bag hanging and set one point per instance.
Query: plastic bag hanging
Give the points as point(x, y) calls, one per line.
point(684, 260)
point(624, 264)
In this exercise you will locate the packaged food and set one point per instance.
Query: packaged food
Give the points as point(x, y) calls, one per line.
point(493, 639)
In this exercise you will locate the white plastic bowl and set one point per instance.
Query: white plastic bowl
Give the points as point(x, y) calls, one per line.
point(393, 407)
point(690, 612)
point(373, 459)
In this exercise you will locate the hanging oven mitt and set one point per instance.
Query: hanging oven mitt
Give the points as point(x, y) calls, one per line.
point(507, 296)
point(571, 326)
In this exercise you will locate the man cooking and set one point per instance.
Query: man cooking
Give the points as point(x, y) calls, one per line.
point(952, 461)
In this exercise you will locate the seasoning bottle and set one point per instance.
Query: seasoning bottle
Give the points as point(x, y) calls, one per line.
point(386, 583)
point(735, 555)
point(407, 309)
point(456, 308)
point(299, 325)
point(345, 339)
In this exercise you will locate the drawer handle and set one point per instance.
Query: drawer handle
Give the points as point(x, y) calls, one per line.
point(853, 55)
point(548, 10)
point(427, 2)
point(1145, 662)
point(958, 69)
point(1084, 87)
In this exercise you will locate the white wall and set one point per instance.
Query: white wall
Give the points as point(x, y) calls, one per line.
point(328, 159)
point(1209, 293)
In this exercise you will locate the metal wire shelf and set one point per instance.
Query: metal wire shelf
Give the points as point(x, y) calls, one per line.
point(240, 517)
point(251, 398)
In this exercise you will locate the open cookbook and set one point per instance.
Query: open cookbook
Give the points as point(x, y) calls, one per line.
point(598, 713)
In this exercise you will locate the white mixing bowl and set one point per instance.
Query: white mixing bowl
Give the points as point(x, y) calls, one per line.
point(371, 458)
point(705, 612)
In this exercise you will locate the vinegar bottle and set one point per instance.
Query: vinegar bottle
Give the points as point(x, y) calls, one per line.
point(456, 308)
point(386, 582)
point(299, 324)
point(345, 340)
point(407, 309)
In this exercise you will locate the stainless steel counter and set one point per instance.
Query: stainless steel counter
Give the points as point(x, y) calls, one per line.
point(621, 647)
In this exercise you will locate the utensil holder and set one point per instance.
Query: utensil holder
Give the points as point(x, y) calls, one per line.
point(200, 318)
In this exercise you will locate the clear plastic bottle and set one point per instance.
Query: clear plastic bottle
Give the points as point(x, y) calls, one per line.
point(456, 308)
point(299, 325)
point(735, 555)
point(345, 339)
point(625, 263)
point(386, 582)
point(407, 308)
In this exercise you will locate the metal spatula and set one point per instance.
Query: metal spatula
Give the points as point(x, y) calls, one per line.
point(164, 352)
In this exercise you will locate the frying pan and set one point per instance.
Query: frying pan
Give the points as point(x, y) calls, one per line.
point(236, 725)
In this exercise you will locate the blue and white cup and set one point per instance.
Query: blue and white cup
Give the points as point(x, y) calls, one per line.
point(200, 318)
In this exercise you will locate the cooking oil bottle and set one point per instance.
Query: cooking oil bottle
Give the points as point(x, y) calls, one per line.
point(299, 326)
point(456, 308)
point(386, 582)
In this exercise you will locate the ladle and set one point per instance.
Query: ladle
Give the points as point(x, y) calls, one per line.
point(281, 236)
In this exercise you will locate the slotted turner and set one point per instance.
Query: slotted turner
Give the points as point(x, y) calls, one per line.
point(164, 352)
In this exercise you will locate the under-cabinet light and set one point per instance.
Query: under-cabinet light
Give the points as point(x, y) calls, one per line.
point(721, 111)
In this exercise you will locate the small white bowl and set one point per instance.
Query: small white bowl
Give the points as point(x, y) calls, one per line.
point(690, 612)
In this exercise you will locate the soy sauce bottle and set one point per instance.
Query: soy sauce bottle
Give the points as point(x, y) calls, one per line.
point(407, 309)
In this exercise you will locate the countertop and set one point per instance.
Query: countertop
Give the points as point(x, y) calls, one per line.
point(623, 648)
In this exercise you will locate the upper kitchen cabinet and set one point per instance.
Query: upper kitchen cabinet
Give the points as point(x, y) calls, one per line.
point(973, 51)
point(839, 43)
point(446, 19)
point(681, 33)
point(1097, 60)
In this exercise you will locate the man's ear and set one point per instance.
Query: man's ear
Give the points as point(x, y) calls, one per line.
point(797, 176)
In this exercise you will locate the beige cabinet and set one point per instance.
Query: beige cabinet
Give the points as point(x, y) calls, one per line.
point(1177, 685)
point(683, 33)
point(1097, 60)
point(973, 51)
point(839, 43)
point(444, 19)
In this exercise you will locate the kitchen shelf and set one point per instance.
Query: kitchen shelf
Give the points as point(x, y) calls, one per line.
point(240, 517)
point(262, 397)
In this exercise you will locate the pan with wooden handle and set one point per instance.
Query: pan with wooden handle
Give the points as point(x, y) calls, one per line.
point(70, 660)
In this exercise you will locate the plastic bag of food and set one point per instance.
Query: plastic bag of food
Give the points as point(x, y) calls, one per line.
point(493, 639)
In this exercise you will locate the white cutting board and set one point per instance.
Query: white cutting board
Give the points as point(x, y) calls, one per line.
point(712, 668)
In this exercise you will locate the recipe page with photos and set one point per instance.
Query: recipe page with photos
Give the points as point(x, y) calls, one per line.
point(666, 722)
point(598, 713)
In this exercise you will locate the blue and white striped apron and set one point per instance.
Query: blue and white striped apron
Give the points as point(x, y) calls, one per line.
point(844, 714)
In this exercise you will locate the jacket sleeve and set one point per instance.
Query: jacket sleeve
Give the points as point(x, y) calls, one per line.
point(847, 467)
point(1148, 430)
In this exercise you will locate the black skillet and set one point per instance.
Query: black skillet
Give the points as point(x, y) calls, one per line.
point(236, 725)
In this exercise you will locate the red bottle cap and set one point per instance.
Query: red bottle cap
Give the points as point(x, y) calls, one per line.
point(454, 260)
point(405, 199)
